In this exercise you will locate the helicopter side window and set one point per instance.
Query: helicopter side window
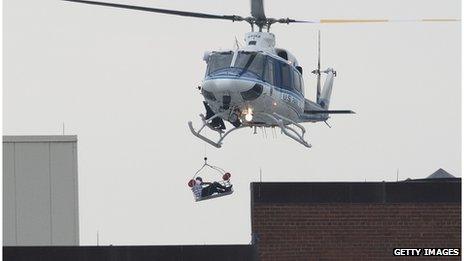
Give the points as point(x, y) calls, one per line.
point(269, 72)
point(296, 81)
point(218, 61)
point(252, 62)
point(286, 76)
point(282, 54)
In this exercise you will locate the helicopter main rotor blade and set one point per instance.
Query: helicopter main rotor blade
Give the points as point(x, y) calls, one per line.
point(257, 9)
point(345, 21)
point(163, 11)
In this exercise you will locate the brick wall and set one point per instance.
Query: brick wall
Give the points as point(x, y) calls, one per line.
point(355, 223)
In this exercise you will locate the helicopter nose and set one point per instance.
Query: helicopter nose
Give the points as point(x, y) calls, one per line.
point(238, 90)
point(226, 85)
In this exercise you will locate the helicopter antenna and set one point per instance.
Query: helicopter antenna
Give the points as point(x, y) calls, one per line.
point(318, 70)
point(237, 43)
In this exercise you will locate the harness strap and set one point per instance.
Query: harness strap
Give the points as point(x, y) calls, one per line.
point(218, 169)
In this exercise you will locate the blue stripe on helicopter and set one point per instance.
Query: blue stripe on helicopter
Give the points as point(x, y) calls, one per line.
point(254, 80)
point(278, 89)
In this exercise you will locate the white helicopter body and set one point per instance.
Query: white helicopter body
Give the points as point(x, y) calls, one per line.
point(260, 85)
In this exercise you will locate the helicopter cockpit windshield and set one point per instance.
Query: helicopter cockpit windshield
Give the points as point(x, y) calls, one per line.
point(256, 65)
point(250, 62)
point(245, 63)
point(219, 60)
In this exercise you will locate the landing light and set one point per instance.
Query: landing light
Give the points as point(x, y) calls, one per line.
point(249, 115)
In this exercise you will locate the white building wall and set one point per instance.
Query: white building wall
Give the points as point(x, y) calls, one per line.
point(40, 196)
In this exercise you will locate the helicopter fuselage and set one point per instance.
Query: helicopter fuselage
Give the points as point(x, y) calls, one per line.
point(260, 85)
point(242, 96)
point(249, 84)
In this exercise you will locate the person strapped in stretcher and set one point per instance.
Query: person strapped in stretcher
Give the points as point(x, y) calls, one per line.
point(207, 190)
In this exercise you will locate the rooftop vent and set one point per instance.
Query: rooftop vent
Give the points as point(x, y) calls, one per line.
point(441, 174)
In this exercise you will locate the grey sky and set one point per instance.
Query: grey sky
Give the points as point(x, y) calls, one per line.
point(124, 82)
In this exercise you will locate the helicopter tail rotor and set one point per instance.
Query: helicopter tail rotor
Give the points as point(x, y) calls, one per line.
point(318, 70)
point(323, 95)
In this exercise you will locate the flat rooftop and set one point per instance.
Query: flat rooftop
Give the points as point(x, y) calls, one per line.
point(410, 191)
point(40, 138)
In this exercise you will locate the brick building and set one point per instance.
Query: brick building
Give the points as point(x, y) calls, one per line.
point(313, 221)
point(354, 220)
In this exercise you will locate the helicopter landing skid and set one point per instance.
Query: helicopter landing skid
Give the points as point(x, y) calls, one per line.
point(289, 131)
point(207, 123)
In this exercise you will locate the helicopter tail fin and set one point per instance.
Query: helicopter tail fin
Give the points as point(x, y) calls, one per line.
point(324, 99)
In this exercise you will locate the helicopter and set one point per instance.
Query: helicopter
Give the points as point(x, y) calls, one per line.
point(259, 85)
